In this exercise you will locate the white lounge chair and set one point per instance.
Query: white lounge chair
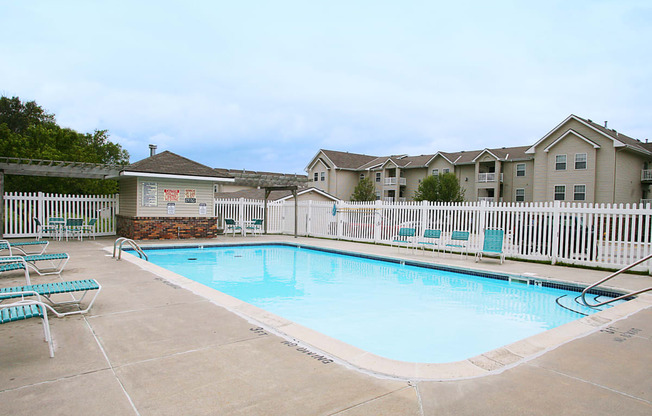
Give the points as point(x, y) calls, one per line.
point(21, 246)
point(25, 309)
point(47, 290)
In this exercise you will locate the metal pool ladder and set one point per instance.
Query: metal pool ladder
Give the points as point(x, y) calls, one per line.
point(611, 276)
point(120, 241)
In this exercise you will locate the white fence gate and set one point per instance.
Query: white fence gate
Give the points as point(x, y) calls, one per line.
point(21, 207)
point(584, 234)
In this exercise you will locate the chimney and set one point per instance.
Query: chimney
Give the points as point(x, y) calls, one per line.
point(605, 124)
point(152, 150)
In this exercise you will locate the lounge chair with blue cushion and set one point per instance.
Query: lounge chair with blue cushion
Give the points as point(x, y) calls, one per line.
point(459, 240)
point(21, 246)
point(25, 309)
point(430, 238)
point(47, 290)
point(56, 262)
point(8, 264)
point(492, 244)
point(405, 237)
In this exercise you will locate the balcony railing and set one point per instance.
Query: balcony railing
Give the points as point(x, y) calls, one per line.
point(486, 198)
point(393, 181)
point(489, 177)
point(646, 175)
point(392, 199)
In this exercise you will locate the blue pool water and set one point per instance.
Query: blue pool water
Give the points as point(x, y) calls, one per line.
point(401, 312)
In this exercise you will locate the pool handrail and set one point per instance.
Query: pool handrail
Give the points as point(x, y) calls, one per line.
point(120, 241)
point(611, 276)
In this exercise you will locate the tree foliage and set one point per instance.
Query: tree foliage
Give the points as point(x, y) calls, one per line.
point(440, 188)
point(364, 191)
point(28, 131)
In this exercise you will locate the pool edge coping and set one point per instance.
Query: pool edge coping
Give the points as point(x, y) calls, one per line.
point(491, 362)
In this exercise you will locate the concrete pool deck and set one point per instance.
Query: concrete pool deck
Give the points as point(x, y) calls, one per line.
point(151, 347)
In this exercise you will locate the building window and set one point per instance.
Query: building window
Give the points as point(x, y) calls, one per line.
point(579, 192)
point(560, 192)
point(580, 161)
point(377, 195)
point(445, 170)
point(361, 176)
point(377, 176)
point(520, 195)
point(316, 177)
point(520, 169)
point(560, 162)
point(435, 172)
point(323, 176)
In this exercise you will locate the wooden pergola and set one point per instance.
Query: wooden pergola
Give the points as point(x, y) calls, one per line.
point(268, 190)
point(50, 168)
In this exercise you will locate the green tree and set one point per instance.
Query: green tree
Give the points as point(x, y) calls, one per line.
point(440, 188)
point(364, 191)
point(28, 131)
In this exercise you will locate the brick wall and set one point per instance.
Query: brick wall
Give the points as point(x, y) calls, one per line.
point(165, 228)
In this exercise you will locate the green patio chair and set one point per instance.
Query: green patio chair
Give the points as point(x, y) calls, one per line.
point(42, 231)
point(255, 227)
point(405, 238)
point(89, 228)
point(492, 244)
point(231, 226)
point(430, 238)
point(459, 240)
point(73, 228)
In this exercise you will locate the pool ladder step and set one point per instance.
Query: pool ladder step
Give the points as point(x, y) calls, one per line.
point(117, 246)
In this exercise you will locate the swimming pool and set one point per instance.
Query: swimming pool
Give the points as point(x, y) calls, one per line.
point(392, 309)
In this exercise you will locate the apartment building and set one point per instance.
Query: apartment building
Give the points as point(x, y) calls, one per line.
point(577, 161)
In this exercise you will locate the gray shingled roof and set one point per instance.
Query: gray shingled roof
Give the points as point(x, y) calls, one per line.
point(628, 141)
point(346, 160)
point(172, 164)
point(401, 161)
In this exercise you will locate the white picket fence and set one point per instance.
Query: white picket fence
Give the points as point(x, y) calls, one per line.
point(21, 207)
point(602, 235)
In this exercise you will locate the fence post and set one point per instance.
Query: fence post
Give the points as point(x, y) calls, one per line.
point(338, 217)
point(424, 214)
point(241, 208)
point(309, 219)
point(556, 220)
point(482, 214)
point(41, 214)
point(378, 220)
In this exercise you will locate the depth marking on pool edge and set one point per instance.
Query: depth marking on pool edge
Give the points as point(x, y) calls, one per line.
point(306, 351)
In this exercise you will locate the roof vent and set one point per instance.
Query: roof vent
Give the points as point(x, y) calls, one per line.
point(605, 124)
point(152, 149)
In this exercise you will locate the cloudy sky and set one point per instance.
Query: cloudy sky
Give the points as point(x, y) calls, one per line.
point(262, 85)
